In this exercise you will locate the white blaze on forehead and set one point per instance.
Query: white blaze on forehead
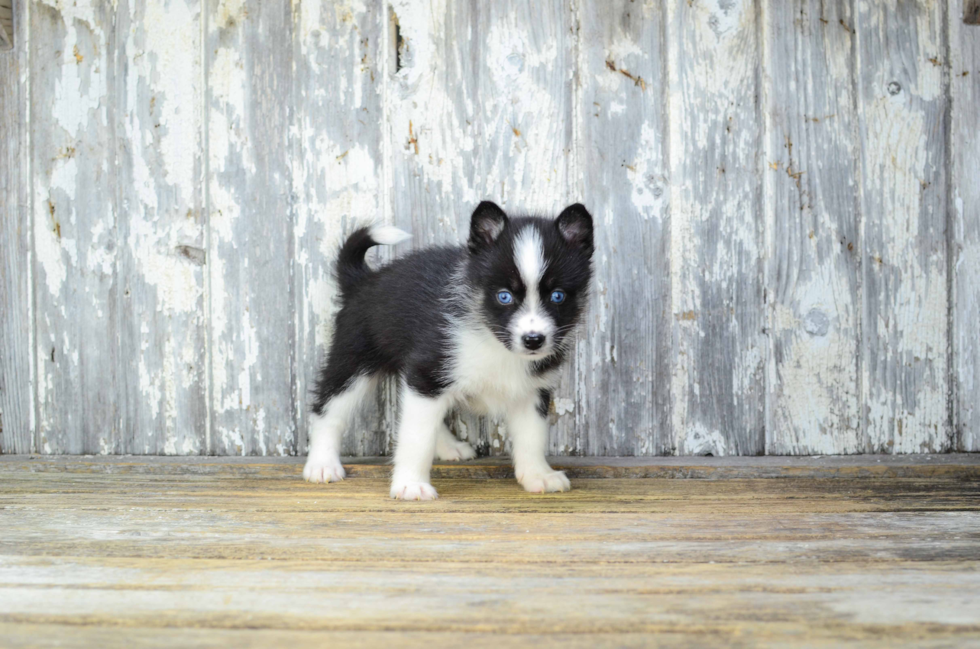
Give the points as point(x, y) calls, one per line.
point(531, 318)
point(529, 257)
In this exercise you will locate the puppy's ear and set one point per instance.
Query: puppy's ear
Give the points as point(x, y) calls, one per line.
point(486, 225)
point(575, 227)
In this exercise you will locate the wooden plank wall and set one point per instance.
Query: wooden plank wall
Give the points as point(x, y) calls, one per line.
point(786, 198)
point(250, 251)
point(903, 139)
point(964, 235)
point(812, 184)
point(717, 375)
point(17, 422)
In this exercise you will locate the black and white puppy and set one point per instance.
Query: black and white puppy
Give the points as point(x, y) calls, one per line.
point(484, 327)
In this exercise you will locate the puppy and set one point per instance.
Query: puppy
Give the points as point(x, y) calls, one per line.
point(484, 327)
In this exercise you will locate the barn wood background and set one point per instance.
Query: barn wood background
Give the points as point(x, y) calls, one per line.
point(787, 200)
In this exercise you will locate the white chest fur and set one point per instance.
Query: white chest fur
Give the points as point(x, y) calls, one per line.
point(488, 378)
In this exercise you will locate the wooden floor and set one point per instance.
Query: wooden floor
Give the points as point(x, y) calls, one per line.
point(239, 553)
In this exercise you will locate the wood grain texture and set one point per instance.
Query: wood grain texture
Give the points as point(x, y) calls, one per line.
point(716, 131)
point(338, 176)
point(122, 347)
point(431, 128)
point(780, 562)
point(16, 306)
point(902, 108)
point(622, 161)
point(812, 230)
point(524, 106)
point(160, 234)
point(251, 227)
point(76, 213)
point(964, 204)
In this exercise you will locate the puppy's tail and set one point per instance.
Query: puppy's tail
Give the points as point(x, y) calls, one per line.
point(350, 264)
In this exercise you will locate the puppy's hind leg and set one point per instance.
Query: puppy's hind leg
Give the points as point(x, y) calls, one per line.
point(450, 449)
point(327, 428)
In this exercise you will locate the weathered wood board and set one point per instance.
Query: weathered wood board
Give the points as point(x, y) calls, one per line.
point(902, 122)
point(716, 218)
point(76, 209)
point(964, 223)
point(785, 195)
point(160, 234)
point(225, 558)
point(251, 213)
point(813, 254)
point(16, 306)
point(622, 132)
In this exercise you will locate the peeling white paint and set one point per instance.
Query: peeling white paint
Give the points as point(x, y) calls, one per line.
point(251, 349)
point(47, 250)
point(227, 81)
point(564, 406)
point(173, 36)
point(699, 440)
point(232, 440)
point(649, 186)
point(79, 91)
point(905, 376)
point(531, 176)
point(714, 138)
point(190, 446)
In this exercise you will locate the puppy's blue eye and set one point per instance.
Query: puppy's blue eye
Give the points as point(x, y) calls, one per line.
point(505, 297)
point(558, 297)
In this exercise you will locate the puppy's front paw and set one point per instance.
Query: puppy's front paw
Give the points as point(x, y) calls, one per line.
point(542, 482)
point(453, 450)
point(413, 491)
point(323, 470)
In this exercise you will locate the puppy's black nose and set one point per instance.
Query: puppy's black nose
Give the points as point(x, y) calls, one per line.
point(533, 341)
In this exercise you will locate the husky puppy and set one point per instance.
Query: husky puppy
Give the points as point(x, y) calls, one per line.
point(483, 327)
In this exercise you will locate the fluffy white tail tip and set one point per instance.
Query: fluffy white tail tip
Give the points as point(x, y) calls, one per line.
point(389, 235)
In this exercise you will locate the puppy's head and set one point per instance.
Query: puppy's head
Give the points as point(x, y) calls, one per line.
point(531, 275)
